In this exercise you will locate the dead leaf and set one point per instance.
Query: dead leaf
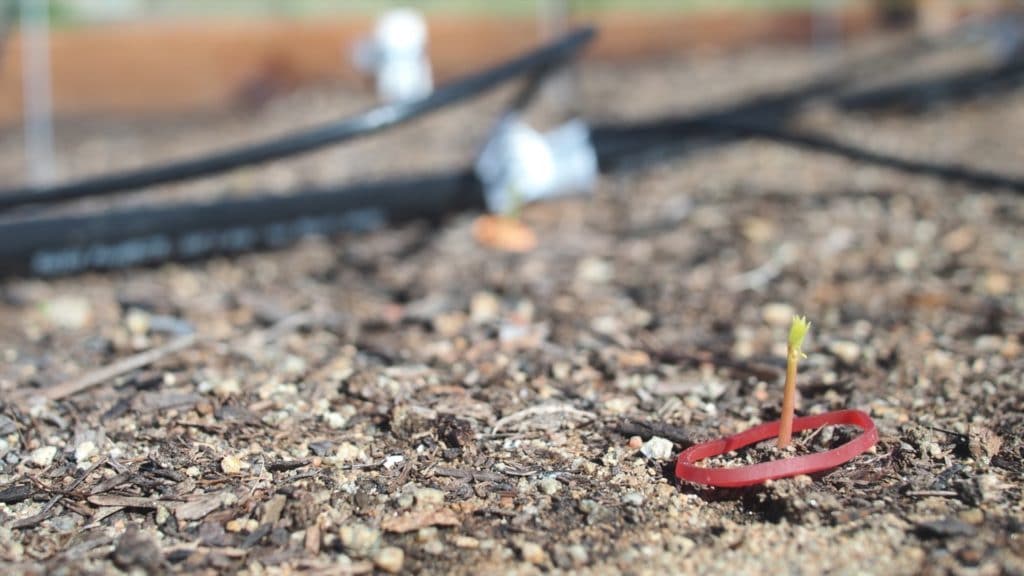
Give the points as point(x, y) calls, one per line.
point(984, 442)
point(420, 519)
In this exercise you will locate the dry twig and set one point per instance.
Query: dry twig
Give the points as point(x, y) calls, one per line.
point(111, 371)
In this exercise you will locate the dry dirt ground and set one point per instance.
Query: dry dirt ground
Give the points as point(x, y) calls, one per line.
point(407, 400)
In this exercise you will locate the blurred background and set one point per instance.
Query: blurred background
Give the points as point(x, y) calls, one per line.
point(121, 66)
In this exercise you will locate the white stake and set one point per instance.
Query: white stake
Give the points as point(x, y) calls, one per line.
point(36, 91)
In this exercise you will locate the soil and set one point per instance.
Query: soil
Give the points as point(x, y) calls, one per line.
point(410, 401)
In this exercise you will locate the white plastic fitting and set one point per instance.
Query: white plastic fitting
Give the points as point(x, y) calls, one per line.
point(519, 165)
point(397, 56)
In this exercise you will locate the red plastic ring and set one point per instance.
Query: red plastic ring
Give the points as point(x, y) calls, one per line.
point(758, 473)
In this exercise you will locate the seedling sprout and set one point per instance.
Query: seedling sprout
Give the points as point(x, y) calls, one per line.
point(797, 331)
point(688, 467)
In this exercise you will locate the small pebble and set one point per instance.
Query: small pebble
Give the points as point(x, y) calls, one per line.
point(973, 516)
point(595, 271)
point(848, 352)
point(619, 404)
point(777, 314)
point(429, 497)
point(63, 524)
point(467, 542)
point(71, 312)
point(635, 442)
point(549, 486)
point(533, 553)
point(347, 452)
point(7, 426)
point(231, 465)
point(579, 554)
point(435, 547)
point(137, 321)
point(226, 388)
point(998, 284)
point(162, 514)
point(906, 260)
point(43, 457)
point(484, 307)
point(426, 534)
point(390, 559)
point(657, 448)
point(85, 451)
point(633, 498)
point(359, 539)
point(334, 420)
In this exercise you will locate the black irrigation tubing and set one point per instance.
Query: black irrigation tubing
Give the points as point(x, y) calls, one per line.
point(948, 88)
point(60, 245)
point(620, 144)
point(617, 146)
point(951, 172)
point(375, 120)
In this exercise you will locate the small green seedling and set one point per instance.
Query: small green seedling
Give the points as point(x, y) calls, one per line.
point(797, 330)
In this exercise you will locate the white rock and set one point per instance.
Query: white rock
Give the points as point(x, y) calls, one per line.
point(335, 420)
point(390, 559)
point(85, 451)
point(549, 486)
point(848, 352)
point(484, 307)
point(435, 547)
point(777, 313)
point(393, 460)
point(231, 465)
point(429, 497)
point(137, 321)
point(633, 498)
point(595, 271)
point(466, 542)
point(533, 553)
point(226, 388)
point(657, 448)
point(359, 539)
point(43, 457)
point(347, 452)
point(906, 260)
point(71, 312)
point(619, 404)
point(578, 554)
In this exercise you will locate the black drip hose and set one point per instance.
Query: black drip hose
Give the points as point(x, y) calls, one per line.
point(945, 89)
point(542, 59)
point(61, 245)
point(622, 146)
